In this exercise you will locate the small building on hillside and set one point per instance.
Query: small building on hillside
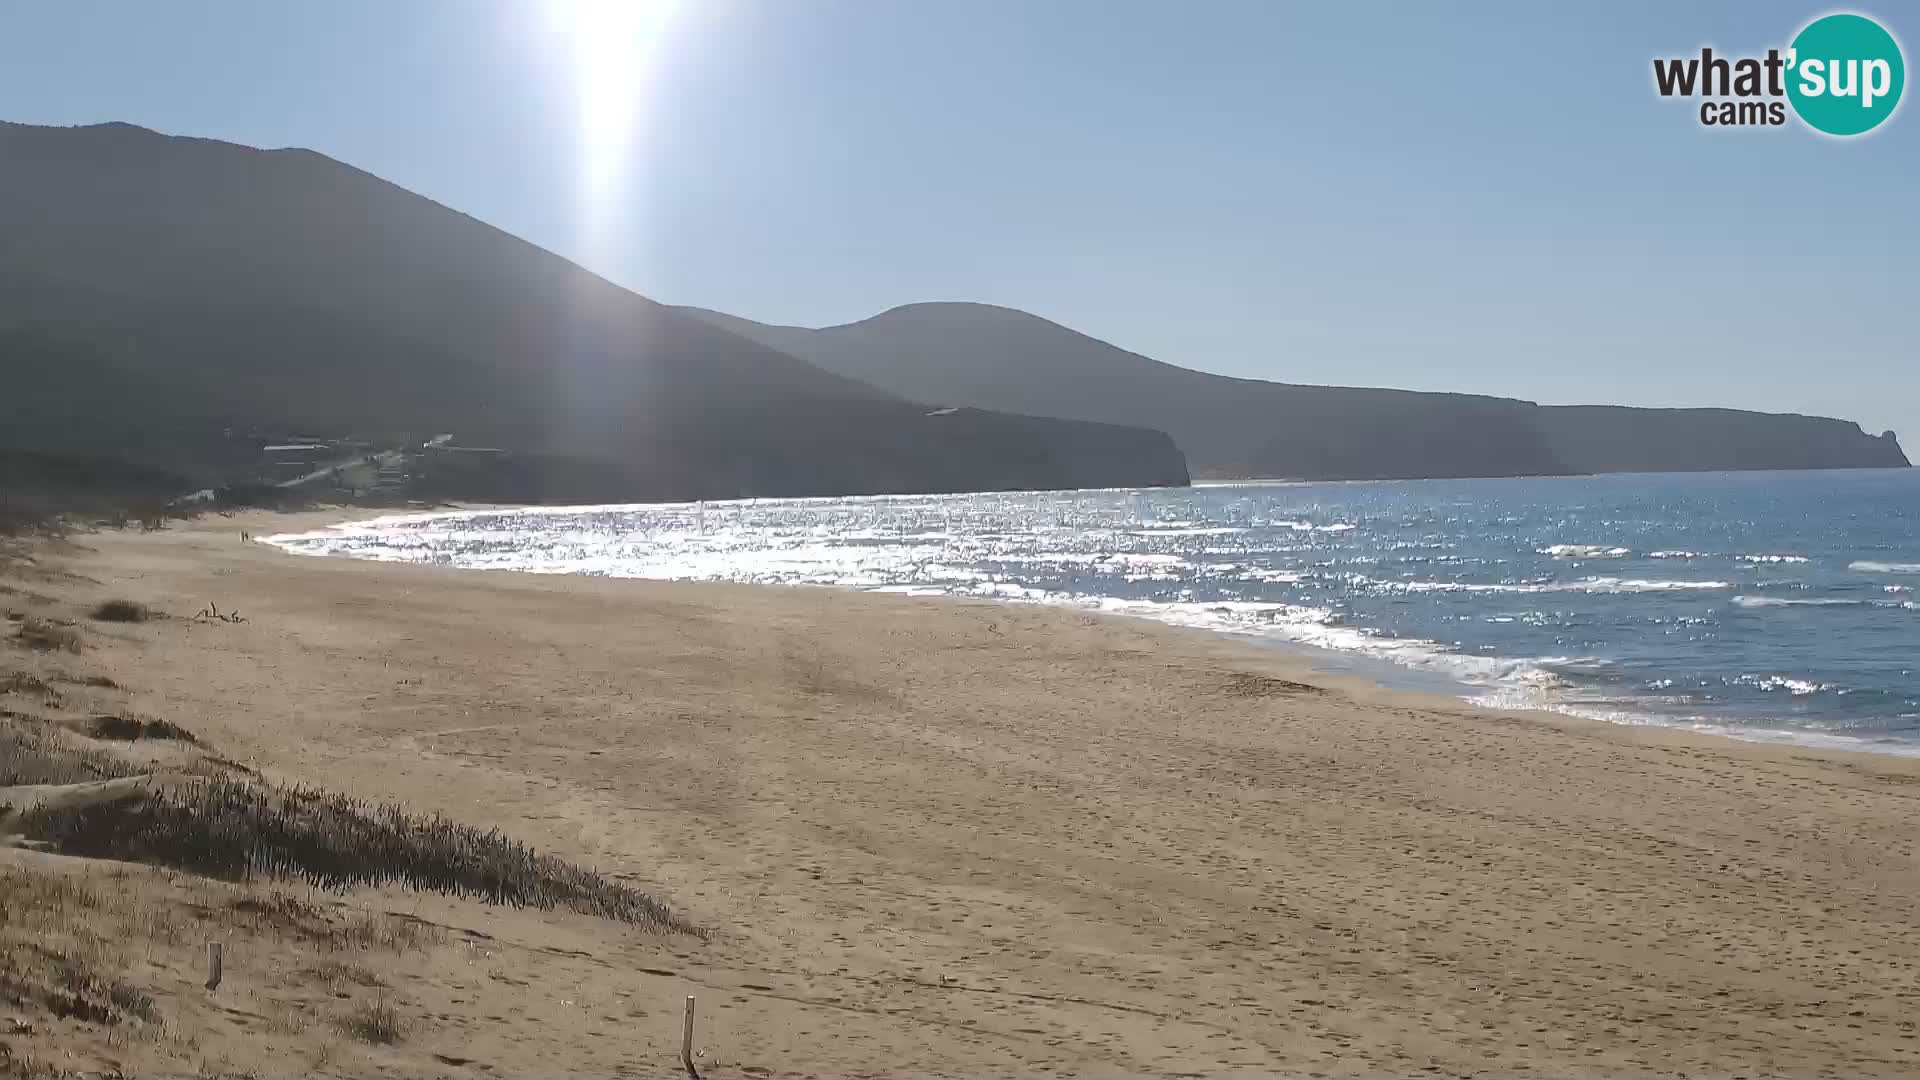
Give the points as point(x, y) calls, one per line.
point(288, 461)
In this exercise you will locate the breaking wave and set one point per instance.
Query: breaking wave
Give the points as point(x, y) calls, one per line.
point(1584, 551)
point(1781, 601)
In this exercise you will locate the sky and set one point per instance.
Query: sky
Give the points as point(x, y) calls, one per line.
point(1473, 197)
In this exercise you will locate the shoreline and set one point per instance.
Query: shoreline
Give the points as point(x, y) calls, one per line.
point(1382, 672)
point(947, 837)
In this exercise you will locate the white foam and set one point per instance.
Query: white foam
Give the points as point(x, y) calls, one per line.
point(1782, 601)
point(1640, 585)
point(1699, 725)
point(1270, 576)
point(1586, 585)
point(1102, 558)
point(1584, 551)
point(1770, 683)
point(1773, 558)
point(1308, 526)
point(1866, 566)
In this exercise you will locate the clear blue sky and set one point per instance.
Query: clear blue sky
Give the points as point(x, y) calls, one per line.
point(1441, 196)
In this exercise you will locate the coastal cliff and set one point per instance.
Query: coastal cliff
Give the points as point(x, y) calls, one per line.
point(1610, 438)
point(1000, 358)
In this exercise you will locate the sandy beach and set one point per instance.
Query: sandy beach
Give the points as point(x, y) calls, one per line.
point(957, 838)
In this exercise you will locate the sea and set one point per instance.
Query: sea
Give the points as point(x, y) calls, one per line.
point(1776, 606)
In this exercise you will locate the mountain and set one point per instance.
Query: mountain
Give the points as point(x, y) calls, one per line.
point(998, 358)
point(188, 282)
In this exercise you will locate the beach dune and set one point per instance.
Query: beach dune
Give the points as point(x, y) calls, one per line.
point(935, 836)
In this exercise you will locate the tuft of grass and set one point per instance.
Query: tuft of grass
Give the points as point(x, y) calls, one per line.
point(357, 930)
point(337, 975)
point(278, 909)
point(288, 1020)
point(124, 611)
point(20, 682)
point(24, 684)
point(133, 728)
point(376, 1022)
point(236, 831)
point(388, 932)
point(47, 636)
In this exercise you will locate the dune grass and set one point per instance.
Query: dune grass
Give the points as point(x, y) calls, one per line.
point(27, 684)
point(238, 831)
point(205, 821)
point(46, 635)
point(90, 956)
point(35, 754)
point(70, 978)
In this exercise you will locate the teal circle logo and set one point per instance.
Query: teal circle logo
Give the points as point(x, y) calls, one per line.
point(1845, 74)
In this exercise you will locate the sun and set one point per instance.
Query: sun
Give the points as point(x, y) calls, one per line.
point(610, 48)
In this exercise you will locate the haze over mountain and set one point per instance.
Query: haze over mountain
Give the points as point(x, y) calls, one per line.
point(984, 356)
point(155, 288)
point(152, 285)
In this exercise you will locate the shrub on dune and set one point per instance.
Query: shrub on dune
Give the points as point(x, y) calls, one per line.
point(122, 611)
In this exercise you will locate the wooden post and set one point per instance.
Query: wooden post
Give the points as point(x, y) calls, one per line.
point(214, 963)
point(686, 1042)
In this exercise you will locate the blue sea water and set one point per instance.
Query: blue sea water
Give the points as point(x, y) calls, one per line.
point(1775, 606)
